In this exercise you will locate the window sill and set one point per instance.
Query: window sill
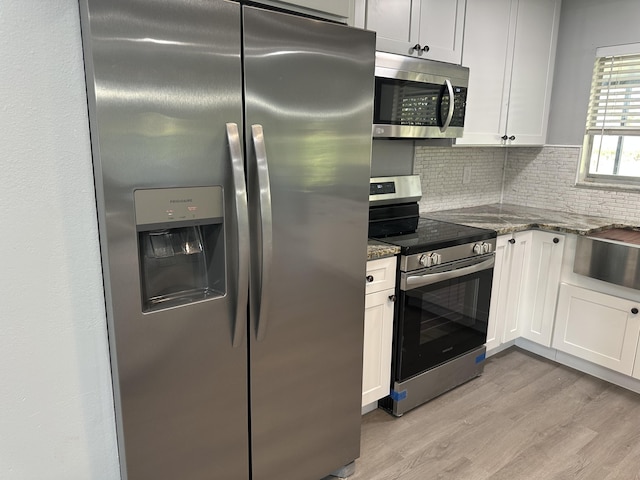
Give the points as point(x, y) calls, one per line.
point(620, 187)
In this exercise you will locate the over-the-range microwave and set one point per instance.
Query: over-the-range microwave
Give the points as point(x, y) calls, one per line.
point(418, 98)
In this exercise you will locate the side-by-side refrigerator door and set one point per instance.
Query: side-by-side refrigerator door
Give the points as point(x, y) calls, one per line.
point(309, 92)
point(165, 98)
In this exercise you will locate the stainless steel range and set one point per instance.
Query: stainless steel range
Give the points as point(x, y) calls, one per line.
point(444, 281)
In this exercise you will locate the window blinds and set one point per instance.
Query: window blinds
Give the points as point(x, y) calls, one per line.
point(614, 104)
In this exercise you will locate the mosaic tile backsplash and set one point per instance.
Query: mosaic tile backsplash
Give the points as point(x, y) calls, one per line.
point(542, 177)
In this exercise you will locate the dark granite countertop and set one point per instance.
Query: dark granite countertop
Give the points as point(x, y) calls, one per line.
point(505, 218)
point(377, 249)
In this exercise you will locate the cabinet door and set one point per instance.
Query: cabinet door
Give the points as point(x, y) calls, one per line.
point(597, 327)
point(441, 29)
point(488, 51)
point(509, 47)
point(395, 23)
point(499, 293)
point(509, 283)
point(520, 252)
point(540, 295)
point(532, 71)
point(378, 332)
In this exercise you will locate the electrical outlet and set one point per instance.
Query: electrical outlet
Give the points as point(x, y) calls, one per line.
point(466, 175)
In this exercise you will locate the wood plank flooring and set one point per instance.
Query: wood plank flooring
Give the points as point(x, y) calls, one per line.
point(524, 418)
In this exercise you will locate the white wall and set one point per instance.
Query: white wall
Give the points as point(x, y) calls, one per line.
point(56, 406)
point(584, 26)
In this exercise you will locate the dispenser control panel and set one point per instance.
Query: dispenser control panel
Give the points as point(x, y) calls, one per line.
point(167, 207)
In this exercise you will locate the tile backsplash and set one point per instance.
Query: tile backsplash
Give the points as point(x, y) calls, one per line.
point(542, 177)
point(444, 183)
point(545, 178)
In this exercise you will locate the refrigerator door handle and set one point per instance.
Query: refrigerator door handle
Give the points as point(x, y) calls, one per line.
point(242, 219)
point(266, 226)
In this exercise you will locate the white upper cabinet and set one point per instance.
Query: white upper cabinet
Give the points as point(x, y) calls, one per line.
point(430, 29)
point(336, 10)
point(509, 47)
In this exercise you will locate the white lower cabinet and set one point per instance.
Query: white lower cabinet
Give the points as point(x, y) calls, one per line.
point(526, 277)
point(378, 329)
point(538, 304)
point(509, 272)
point(600, 328)
point(378, 333)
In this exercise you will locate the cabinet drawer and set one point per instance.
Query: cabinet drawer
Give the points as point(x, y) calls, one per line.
point(381, 274)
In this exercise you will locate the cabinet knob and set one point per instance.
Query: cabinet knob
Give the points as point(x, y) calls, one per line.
point(426, 48)
point(634, 310)
point(392, 298)
point(512, 137)
point(504, 137)
point(417, 47)
point(512, 241)
point(369, 278)
point(556, 240)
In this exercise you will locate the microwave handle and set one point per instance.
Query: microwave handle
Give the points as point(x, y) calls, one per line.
point(452, 106)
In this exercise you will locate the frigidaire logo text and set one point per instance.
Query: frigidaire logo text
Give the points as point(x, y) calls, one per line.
point(182, 200)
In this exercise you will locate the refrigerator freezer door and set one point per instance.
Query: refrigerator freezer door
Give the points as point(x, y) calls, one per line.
point(163, 81)
point(310, 86)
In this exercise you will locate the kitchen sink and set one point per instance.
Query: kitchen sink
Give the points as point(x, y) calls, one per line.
point(611, 255)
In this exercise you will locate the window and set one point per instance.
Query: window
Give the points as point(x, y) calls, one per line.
point(611, 152)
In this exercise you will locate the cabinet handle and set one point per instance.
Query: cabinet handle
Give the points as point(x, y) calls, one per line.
point(634, 310)
point(512, 241)
point(417, 47)
point(512, 137)
point(504, 137)
point(369, 278)
point(556, 240)
point(426, 48)
point(392, 298)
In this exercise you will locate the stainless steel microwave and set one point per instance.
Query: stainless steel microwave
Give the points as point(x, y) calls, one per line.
point(418, 98)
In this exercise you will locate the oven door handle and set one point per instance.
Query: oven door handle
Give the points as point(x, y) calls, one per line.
point(415, 281)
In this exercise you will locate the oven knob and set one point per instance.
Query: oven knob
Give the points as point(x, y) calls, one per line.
point(480, 248)
point(429, 259)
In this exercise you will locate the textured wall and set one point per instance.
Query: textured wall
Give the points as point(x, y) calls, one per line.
point(442, 170)
point(56, 407)
point(544, 177)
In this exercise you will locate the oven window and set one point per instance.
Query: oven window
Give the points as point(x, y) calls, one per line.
point(442, 321)
point(402, 102)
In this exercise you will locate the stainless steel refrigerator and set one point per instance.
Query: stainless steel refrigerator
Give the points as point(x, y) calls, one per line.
point(231, 147)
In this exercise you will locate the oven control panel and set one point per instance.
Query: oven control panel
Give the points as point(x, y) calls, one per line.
point(441, 257)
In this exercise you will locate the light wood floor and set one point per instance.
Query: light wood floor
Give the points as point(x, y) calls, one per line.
point(524, 418)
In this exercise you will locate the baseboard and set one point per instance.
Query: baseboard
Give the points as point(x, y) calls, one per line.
point(581, 365)
point(369, 408)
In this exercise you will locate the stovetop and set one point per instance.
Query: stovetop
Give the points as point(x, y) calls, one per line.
point(435, 234)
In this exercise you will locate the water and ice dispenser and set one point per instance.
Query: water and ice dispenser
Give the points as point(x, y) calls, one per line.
point(180, 245)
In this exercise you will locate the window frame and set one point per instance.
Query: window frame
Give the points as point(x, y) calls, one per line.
point(584, 175)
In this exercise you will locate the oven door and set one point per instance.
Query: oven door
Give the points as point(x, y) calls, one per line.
point(443, 312)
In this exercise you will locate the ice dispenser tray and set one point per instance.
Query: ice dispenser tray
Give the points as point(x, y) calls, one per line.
point(180, 245)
